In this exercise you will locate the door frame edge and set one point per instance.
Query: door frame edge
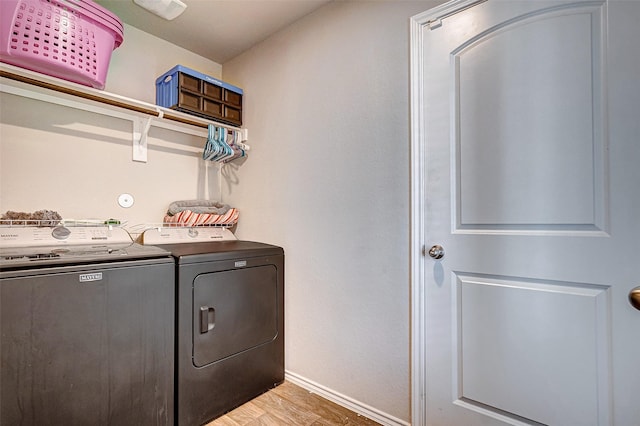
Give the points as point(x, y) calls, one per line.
point(418, 25)
point(417, 173)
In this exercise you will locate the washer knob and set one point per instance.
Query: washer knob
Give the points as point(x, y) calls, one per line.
point(60, 233)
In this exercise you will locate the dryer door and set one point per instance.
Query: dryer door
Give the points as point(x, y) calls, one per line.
point(233, 311)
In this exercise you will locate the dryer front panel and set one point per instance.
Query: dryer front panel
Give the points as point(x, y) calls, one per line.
point(233, 311)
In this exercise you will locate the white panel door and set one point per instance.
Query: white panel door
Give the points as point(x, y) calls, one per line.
point(526, 155)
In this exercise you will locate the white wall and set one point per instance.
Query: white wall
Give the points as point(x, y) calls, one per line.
point(326, 104)
point(136, 64)
point(77, 162)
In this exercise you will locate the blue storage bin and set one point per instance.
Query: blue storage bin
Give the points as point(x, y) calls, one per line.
point(193, 92)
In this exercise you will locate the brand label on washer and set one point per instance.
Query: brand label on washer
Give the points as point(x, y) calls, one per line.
point(241, 263)
point(85, 278)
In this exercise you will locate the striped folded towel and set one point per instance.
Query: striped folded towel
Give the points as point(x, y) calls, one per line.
point(189, 218)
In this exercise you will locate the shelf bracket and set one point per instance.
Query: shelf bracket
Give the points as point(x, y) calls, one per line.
point(32, 85)
point(140, 132)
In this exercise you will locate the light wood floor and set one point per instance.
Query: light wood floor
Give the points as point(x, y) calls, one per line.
point(289, 404)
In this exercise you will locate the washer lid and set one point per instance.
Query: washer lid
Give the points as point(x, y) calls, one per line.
point(31, 257)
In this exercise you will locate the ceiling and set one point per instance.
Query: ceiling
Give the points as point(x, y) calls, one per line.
point(216, 29)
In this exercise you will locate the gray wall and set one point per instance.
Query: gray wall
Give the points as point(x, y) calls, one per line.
point(327, 109)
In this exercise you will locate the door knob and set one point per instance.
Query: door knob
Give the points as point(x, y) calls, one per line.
point(634, 297)
point(437, 252)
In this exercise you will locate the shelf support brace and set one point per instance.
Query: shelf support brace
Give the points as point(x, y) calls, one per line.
point(32, 85)
point(140, 132)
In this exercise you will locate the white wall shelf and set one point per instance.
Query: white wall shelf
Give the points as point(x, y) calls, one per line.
point(33, 85)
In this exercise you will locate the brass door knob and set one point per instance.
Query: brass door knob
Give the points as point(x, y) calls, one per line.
point(634, 297)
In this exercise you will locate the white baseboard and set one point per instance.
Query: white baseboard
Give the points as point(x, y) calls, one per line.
point(343, 400)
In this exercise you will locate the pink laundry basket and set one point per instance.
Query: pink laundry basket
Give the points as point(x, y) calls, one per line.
point(69, 39)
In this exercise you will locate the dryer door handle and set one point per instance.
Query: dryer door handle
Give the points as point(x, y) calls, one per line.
point(207, 319)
